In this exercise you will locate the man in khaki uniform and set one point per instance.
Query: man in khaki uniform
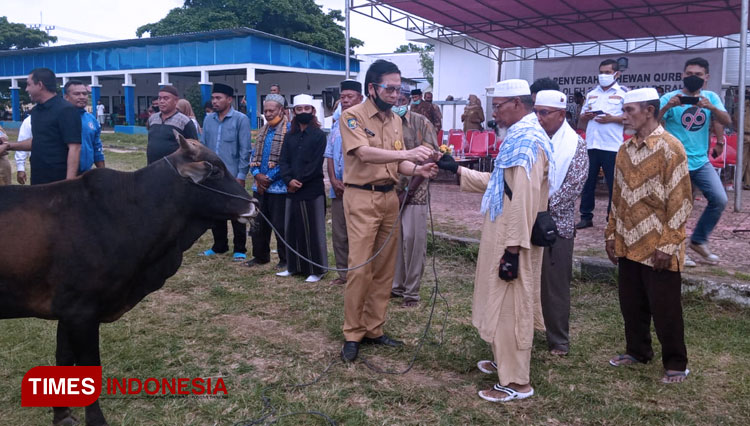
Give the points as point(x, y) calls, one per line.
point(506, 284)
point(374, 154)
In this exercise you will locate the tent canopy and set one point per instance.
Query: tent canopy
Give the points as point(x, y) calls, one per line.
point(535, 23)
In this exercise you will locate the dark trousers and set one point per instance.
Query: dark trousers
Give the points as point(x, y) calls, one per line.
point(221, 242)
point(557, 272)
point(273, 207)
point(597, 159)
point(645, 293)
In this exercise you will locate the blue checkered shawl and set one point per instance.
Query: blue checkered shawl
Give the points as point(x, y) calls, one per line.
point(518, 149)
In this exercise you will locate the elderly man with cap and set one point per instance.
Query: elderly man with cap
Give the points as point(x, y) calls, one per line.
point(268, 187)
point(374, 155)
point(162, 125)
point(351, 94)
point(412, 247)
point(571, 167)
point(645, 236)
point(227, 132)
point(506, 284)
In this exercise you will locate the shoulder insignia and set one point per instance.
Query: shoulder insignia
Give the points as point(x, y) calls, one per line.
point(91, 126)
point(351, 123)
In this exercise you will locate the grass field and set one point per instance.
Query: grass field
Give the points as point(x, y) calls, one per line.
point(253, 329)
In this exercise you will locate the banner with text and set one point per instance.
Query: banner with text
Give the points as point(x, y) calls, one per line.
point(580, 74)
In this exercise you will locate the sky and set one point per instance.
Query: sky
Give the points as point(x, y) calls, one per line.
point(79, 21)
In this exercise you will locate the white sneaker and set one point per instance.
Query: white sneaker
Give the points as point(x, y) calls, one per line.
point(283, 274)
point(312, 278)
point(689, 262)
point(702, 249)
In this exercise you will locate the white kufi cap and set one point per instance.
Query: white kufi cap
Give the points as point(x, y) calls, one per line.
point(641, 95)
point(511, 88)
point(302, 100)
point(551, 98)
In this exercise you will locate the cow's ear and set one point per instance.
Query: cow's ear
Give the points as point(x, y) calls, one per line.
point(186, 146)
point(196, 171)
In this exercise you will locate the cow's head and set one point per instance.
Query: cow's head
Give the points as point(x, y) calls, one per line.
point(218, 192)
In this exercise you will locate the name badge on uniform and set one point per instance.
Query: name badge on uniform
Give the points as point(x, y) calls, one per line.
point(398, 145)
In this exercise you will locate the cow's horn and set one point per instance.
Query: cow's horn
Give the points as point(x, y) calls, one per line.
point(184, 144)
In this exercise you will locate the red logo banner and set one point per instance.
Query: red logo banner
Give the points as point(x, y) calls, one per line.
point(61, 386)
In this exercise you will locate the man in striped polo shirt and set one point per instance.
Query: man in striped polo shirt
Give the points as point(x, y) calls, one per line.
point(645, 236)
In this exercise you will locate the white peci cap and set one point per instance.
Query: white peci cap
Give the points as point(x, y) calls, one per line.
point(511, 88)
point(302, 100)
point(551, 98)
point(641, 95)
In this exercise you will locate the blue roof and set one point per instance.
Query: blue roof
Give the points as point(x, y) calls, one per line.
point(220, 47)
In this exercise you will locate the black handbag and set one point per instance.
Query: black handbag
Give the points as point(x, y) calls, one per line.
point(544, 231)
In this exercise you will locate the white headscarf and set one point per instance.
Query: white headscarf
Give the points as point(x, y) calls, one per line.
point(564, 143)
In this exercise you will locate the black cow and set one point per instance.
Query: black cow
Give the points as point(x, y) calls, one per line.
point(90, 249)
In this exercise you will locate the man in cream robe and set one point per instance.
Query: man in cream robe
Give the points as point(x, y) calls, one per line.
point(503, 309)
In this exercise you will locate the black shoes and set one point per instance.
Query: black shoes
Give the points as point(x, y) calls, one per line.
point(253, 262)
point(349, 351)
point(584, 224)
point(382, 340)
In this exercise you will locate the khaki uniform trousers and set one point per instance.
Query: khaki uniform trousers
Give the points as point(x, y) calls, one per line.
point(412, 250)
point(5, 171)
point(370, 216)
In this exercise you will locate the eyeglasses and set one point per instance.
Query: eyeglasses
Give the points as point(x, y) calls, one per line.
point(497, 106)
point(388, 89)
point(544, 112)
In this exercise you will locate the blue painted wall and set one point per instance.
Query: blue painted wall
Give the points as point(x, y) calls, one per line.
point(199, 49)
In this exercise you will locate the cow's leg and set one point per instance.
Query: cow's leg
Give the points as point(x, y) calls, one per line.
point(64, 356)
point(84, 338)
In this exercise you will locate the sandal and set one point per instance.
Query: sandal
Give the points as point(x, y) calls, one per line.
point(410, 304)
point(667, 379)
point(338, 281)
point(486, 370)
point(625, 359)
point(512, 394)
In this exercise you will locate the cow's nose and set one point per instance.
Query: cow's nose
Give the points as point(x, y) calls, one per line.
point(249, 215)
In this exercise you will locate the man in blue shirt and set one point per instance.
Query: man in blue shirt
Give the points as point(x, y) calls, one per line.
point(91, 142)
point(227, 132)
point(688, 114)
point(268, 187)
point(351, 94)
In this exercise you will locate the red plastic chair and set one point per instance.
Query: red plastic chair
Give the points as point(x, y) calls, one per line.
point(727, 158)
point(479, 145)
point(470, 134)
point(457, 140)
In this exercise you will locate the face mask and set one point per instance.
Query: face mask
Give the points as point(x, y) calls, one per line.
point(304, 118)
point(337, 113)
point(273, 122)
point(606, 80)
point(693, 83)
point(399, 110)
point(381, 104)
point(416, 102)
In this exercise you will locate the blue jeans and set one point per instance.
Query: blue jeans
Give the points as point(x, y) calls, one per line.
point(606, 160)
point(707, 180)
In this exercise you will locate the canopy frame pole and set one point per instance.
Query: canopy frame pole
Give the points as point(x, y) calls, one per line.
point(741, 113)
point(346, 42)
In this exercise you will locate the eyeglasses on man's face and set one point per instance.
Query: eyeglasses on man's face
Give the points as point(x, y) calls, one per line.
point(388, 89)
point(545, 112)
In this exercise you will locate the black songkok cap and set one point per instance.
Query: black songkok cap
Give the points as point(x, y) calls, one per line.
point(351, 85)
point(223, 88)
point(416, 92)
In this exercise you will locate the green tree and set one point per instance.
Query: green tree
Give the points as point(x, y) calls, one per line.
point(300, 20)
point(426, 61)
point(18, 36)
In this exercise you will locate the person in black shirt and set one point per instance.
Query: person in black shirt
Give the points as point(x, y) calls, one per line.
point(55, 142)
point(301, 168)
point(161, 126)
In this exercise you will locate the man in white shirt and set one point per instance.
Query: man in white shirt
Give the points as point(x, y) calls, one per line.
point(100, 113)
point(601, 117)
point(24, 132)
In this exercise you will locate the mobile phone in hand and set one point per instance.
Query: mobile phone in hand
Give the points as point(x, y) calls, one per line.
point(597, 112)
point(689, 100)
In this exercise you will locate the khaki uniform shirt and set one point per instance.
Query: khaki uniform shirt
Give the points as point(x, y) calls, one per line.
point(361, 125)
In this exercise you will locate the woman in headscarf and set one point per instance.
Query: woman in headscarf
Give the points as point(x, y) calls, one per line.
point(473, 115)
point(301, 168)
point(183, 105)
